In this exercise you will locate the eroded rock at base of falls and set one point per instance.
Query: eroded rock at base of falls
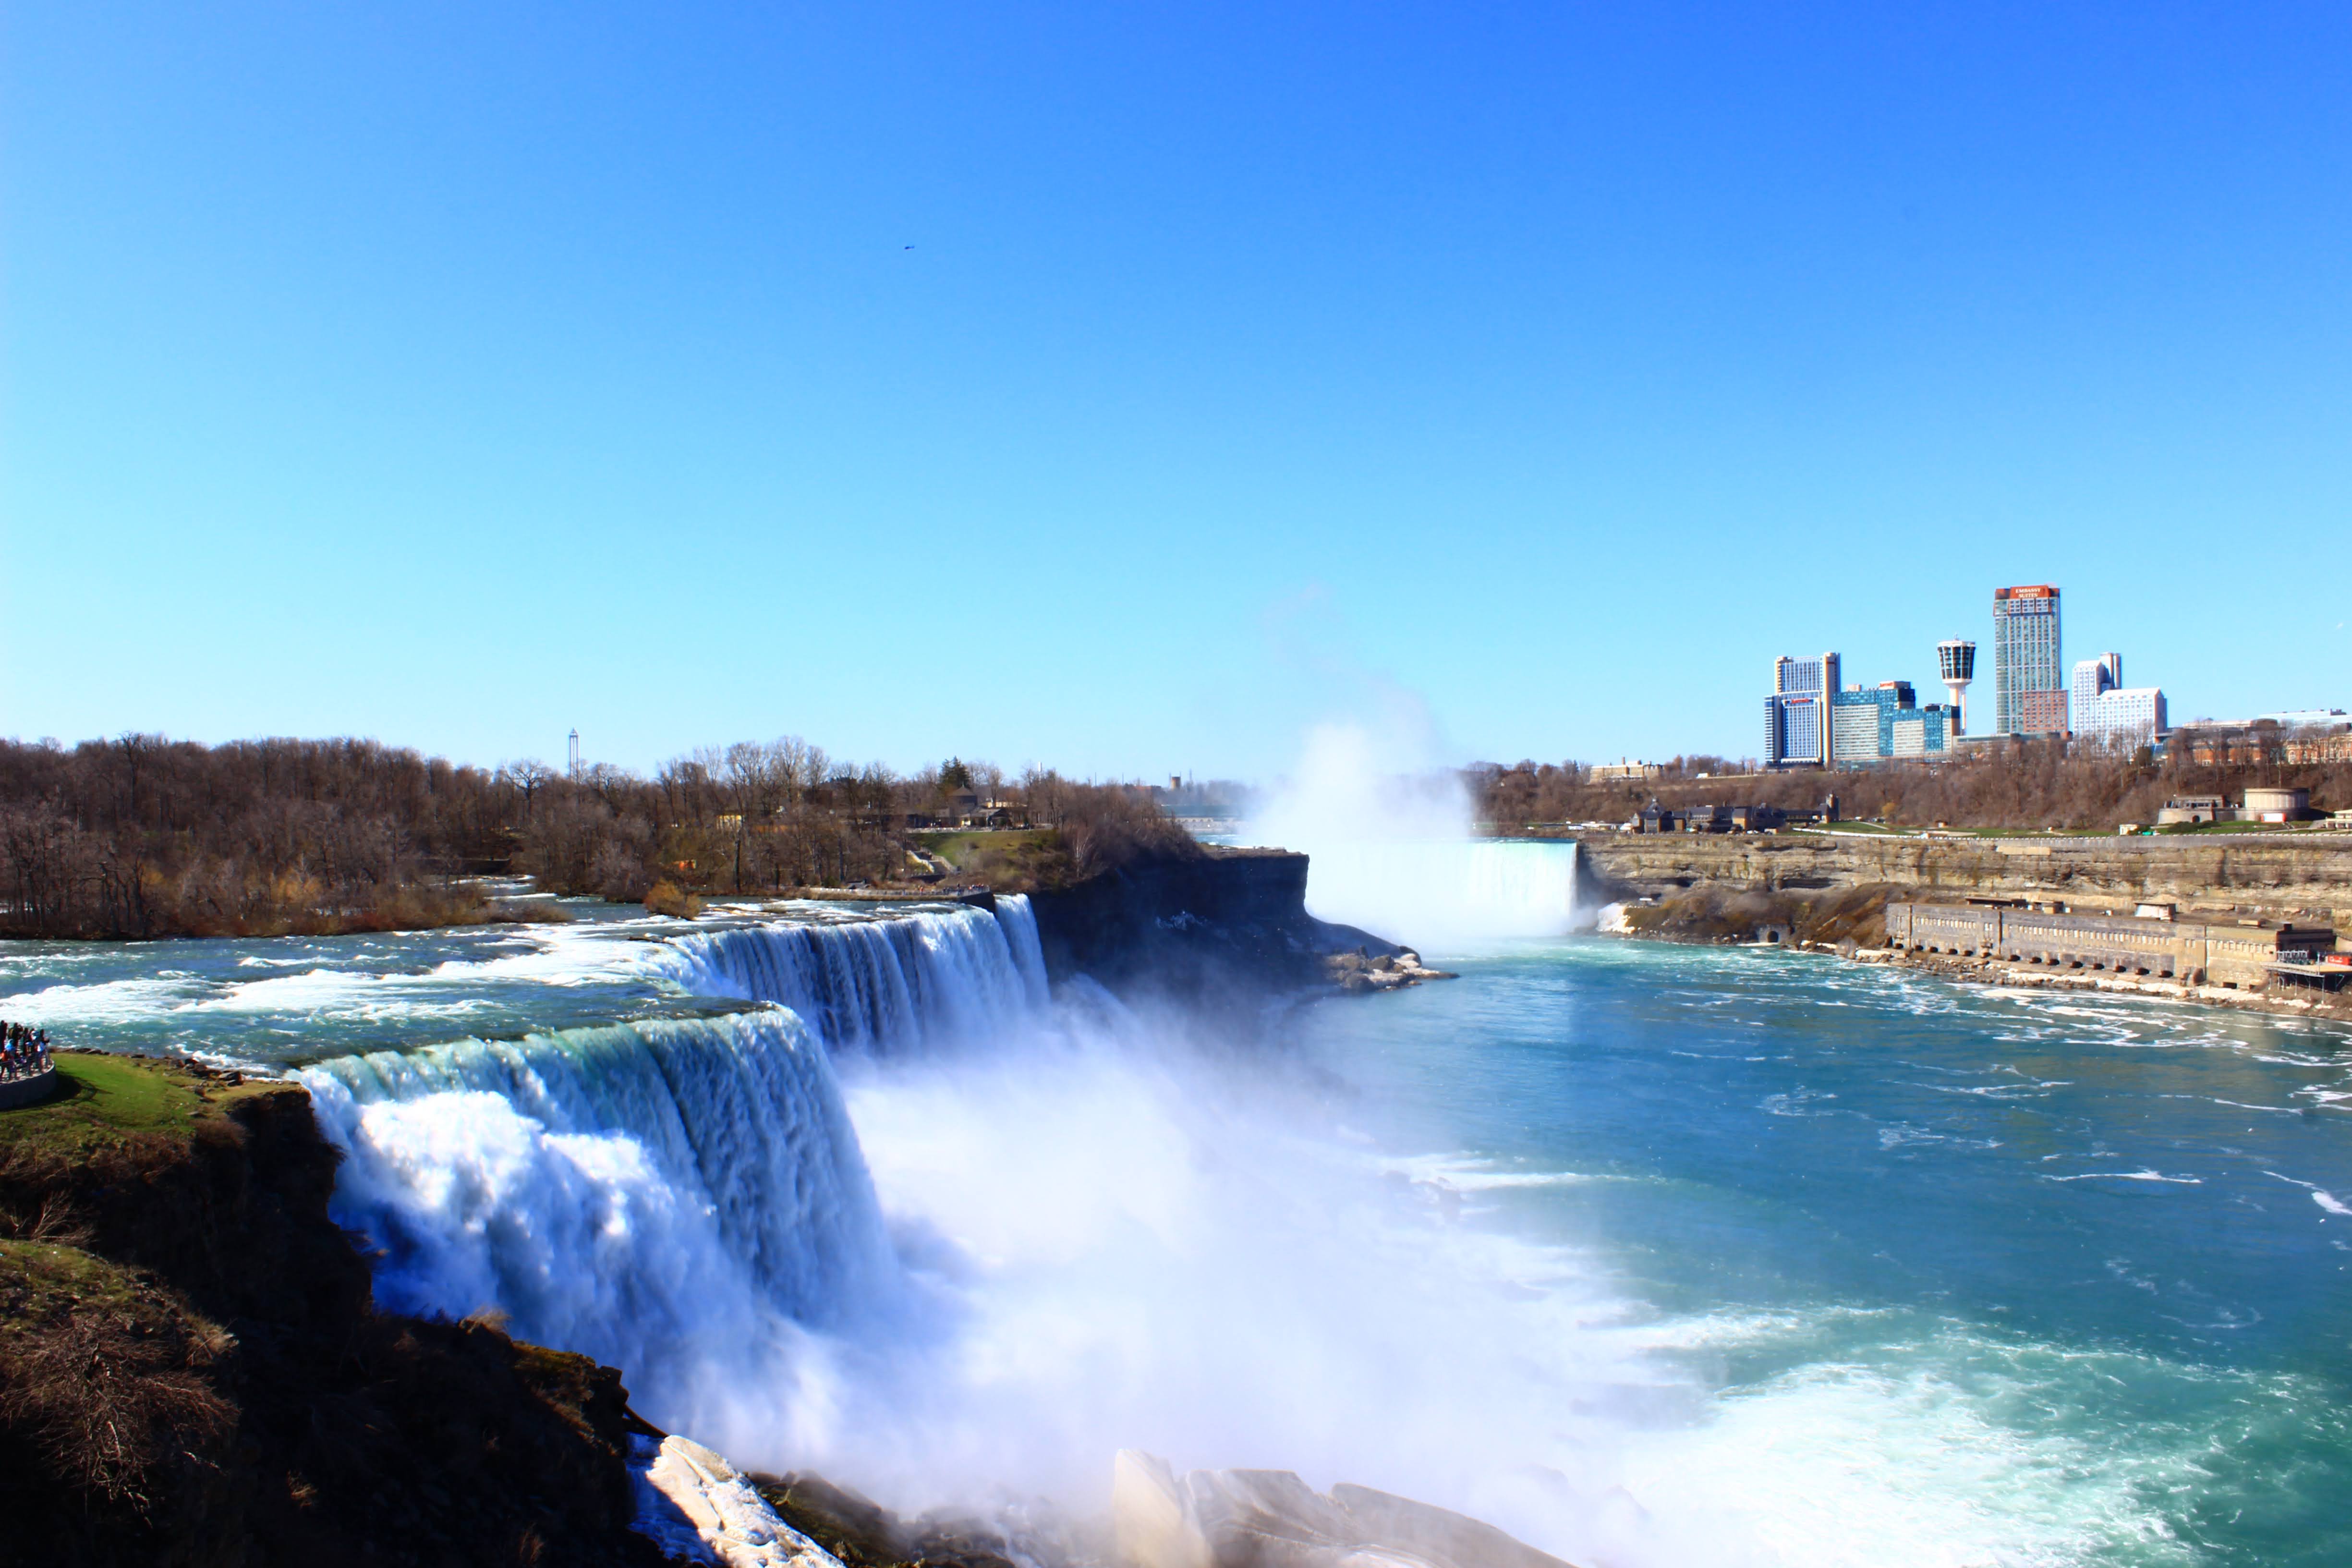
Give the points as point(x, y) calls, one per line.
point(1271, 1519)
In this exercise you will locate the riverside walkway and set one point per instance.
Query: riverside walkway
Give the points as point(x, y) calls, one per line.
point(27, 1072)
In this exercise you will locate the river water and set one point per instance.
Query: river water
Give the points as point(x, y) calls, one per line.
point(1651, 1255)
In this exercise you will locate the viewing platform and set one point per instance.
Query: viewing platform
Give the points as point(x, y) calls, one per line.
point(29, 1089)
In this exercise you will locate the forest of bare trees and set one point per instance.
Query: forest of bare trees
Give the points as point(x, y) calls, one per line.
point(2033, 785)
point(141, 836)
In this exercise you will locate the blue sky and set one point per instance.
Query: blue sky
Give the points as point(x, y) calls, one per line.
point(1124, 388)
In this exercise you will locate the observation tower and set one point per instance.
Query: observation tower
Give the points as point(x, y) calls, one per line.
point(1956, 665)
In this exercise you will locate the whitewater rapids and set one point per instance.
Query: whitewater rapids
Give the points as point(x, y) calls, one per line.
point(887, 1207)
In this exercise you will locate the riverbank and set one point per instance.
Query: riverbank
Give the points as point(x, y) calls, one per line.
point(1829, 892)
point(2246, 875)
point(1850, 924)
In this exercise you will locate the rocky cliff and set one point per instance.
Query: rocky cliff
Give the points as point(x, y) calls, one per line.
point(2273, 876)
point(191, 1370)
point(1225, 924)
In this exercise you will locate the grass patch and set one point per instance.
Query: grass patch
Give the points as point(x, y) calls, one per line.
point(1010, 860)
point(37, 1277)
point(109, 1097)
point(957, 847)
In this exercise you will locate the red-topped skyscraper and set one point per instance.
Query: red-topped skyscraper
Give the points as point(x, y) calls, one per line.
point(2029, 677)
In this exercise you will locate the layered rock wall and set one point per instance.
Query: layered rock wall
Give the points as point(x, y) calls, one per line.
point(1202, 928)
point(2250, 874)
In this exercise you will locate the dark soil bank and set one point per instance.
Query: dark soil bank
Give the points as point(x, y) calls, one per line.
point(191, 1370)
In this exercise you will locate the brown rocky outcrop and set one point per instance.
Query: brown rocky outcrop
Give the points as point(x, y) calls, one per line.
point(192, 1372)
point(2270, 876)
point(1226, 926)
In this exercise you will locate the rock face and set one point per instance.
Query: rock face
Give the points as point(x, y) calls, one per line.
point(1201, 928)
point(1271, 1519)
point(2257, 874)
point(190, 1372)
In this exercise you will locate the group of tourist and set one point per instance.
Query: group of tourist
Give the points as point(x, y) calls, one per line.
point(23, 1051)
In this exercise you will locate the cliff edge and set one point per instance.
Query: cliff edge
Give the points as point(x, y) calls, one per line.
point(192, 1370)
point(1223, 925)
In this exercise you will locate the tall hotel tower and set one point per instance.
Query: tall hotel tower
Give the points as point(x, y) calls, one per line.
point(2029, 679)
point(1797, 715)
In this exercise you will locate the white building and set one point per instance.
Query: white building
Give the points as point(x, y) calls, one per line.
point(2106, 710)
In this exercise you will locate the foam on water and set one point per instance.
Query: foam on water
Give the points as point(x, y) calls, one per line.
point(1140, 1251)
point(1017, 1233)
point(927, 977)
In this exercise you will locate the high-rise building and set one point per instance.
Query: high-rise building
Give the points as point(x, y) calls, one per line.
point(2092, 676)
point(2105, 709)
point(2028, 680)
point(1924, 733)
point(1872, 724)
point(1796, 716)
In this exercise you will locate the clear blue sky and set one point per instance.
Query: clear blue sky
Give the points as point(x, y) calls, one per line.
point(457, 375)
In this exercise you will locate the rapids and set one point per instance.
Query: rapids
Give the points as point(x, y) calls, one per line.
point(1654, 1257)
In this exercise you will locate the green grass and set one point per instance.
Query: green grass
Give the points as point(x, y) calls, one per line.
point(953, 846)
point(109, 1097)
point(47, 1275)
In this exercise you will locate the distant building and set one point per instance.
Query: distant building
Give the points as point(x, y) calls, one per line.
point(2275, 805)
point(2105, 709)
point(1877, 723)
point(1627, 771)
point(1931, 732)
point(1861, 720)
point(1796, 716)
point(2242, 954)
point(2315, 745)
point(1955, 666)
point(2260, 740)
point(2190, 808)
point(2028, 678)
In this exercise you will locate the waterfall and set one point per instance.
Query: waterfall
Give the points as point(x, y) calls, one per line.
point(685, 1198)
point(672, 1196)
point(922, 978)
point(1441, 894)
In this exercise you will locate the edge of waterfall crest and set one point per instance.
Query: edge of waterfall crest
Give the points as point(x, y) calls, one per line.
point(919, 978)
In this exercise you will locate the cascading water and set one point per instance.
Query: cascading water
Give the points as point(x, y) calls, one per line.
point(879, 986)
point(1396, 853)
point(682, 1197)
point(1917, 1274)
point(1445, 894)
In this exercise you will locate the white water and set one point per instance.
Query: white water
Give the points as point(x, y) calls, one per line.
point(1394, 852)
point(927, 978)
point(1444, 896)
point(1059, 1229)
point(683, 1198)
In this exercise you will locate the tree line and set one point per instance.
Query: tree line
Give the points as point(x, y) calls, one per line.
point(141, 836)
point(2025, 783)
